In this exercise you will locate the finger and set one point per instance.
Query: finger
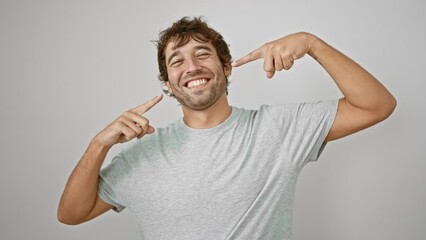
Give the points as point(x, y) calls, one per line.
point(268, 64)
point(141, 109)
point(127, 133)
point(136, 120)
point(137, 123)
point(143, 124)
point(270, 74)
point(256, 54)
point(288, 64)
point(278, 63)
point(150, 130)
point(136, 127)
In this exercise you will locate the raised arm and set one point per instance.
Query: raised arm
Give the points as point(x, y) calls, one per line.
point(366, 101)
point(80, 202)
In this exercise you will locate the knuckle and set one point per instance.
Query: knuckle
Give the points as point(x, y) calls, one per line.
point(145, 120)
point(125, 114)
point(117, 125)
point(144, 129)
point(139, 129)
point(139, 132)
point(131, 135)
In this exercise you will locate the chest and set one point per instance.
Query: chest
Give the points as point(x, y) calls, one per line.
point(199, 181)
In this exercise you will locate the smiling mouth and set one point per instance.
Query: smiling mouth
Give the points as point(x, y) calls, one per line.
point(196, 82)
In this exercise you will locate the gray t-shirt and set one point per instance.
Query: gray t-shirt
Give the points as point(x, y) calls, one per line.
point(234, 181)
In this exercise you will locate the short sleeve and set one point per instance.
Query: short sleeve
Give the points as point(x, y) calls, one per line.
point(113, 183)
point(303, 127)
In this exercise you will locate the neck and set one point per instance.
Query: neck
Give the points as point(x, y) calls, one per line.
point(210, 117)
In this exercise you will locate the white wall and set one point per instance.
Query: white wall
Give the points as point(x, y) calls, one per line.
point(68, 68)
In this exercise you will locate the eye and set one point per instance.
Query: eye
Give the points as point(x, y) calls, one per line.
point(176, 62)
point(203, 55)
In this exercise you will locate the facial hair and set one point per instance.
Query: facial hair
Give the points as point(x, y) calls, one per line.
point(201, 99)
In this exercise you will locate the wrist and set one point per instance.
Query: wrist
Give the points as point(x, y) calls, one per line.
point(314, 45)
point(99, 145)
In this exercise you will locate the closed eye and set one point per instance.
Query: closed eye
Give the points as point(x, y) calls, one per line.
point(176, 62)
point(203, 55)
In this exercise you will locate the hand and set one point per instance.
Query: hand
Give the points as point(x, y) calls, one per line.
point(279, 54)
point(129, 125)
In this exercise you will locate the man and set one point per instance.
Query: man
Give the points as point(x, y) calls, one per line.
point(220, 172)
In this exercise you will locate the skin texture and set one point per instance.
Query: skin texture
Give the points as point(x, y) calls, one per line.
point(366, 102)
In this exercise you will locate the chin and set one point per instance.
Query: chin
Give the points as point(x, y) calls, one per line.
point(198, 107)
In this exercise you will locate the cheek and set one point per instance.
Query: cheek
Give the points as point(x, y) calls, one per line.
point(174, 77)
point(218, 66)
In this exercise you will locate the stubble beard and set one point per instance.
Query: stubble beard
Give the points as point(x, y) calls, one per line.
point(202, 99)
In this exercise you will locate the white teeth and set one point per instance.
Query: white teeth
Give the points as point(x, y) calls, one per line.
point(195, 83)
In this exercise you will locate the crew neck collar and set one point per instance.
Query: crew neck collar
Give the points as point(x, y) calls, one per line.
point(225, 124)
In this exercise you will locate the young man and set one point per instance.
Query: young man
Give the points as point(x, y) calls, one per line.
point(220, 172)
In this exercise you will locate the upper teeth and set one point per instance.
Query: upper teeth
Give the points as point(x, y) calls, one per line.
point(195, 83)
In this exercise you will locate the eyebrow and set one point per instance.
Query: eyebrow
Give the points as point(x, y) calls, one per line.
point(198, 47)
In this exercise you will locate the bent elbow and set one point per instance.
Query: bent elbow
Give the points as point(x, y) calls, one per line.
point(69, 222)
point(394, 103)
point(63, 218)
point(387, 109)
point(391, 106)
point(66, 221)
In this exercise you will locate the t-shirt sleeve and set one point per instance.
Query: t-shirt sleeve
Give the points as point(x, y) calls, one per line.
point(303, 127)
point(113, 183)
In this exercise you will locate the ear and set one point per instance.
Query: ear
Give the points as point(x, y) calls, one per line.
point(166, 86)
point(227, 69)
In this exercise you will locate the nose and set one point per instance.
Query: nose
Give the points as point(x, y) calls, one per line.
point(192, 66)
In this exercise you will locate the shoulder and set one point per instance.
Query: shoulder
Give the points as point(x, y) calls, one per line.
point(298, 109)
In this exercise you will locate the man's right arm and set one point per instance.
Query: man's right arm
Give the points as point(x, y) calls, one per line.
point(80, 201)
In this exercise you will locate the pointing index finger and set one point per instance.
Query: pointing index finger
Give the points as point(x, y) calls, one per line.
point(256, 54)
point(144, 107)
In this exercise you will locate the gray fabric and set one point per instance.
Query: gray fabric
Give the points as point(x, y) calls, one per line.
point(233, 181)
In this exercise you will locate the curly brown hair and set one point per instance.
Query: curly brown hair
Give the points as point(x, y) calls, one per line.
point(181, 32)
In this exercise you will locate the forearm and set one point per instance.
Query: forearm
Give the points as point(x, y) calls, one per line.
point(79, 196)
point(360, 89)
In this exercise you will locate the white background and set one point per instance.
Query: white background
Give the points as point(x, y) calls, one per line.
point(68, 68)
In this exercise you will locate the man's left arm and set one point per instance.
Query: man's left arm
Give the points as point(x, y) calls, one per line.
point(366, 101)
